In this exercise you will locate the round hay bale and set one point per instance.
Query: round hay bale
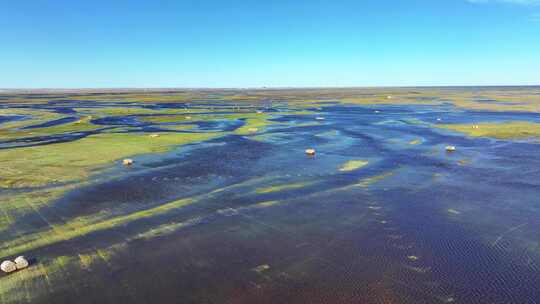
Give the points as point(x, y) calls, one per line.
point(127, 162)
point(21, 262)
point(310, 152)
point(8, 266)
point(154, 135)
point(450, 148)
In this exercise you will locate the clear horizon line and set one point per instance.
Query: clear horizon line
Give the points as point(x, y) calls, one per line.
point(151, 88)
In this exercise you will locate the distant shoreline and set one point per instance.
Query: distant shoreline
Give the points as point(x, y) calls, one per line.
point(180, 89)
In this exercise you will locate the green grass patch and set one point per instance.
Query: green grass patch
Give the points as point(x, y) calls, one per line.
point(504, 130)
point(73, 161)
point(353, 165)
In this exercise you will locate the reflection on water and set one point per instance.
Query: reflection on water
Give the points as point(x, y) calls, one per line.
point(414, 224)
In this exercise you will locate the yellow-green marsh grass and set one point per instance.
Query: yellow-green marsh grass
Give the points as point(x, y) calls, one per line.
point(374, 179)
point(34, 117)
point(353, 165)
point(504, 130)
point(73, 161)
point(77, 126)
point(87, 259)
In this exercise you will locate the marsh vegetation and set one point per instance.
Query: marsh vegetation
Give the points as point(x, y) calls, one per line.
point(221, 188)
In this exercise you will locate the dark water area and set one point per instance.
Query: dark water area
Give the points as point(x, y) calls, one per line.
point(270, 225)
point(8, 118)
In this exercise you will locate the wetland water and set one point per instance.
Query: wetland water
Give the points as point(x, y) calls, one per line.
point(223, 206)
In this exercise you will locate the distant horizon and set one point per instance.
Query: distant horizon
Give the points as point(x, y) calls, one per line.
point(260, 88)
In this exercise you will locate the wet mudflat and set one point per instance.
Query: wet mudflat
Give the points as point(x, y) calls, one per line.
point(222, 205)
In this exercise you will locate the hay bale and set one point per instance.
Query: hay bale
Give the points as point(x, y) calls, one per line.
point(310, 152)
point(154, 135)
point(8, 266)
point(21, 262)
point(127, 162)
point(261, 268)
point(320, 118)
point(450, 148)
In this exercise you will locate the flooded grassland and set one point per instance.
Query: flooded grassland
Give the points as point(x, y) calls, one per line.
point(222, 204)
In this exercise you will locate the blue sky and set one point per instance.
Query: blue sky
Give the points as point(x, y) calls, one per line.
point(202, 43)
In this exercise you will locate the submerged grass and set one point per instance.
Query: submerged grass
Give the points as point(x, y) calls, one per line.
point(374, 179)
point(280, 188)
point(81, 226)
point(15, 205)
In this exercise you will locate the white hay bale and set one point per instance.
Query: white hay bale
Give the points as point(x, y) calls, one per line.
point(450, 148)
point(21, 262)
point(320, 118)
point(154, 135)
point(261, 268)
point(8, 266)
point(188, 117)
point(127, 162)
point(310, 151)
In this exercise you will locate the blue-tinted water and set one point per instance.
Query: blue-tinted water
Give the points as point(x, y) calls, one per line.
point(416, 225)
